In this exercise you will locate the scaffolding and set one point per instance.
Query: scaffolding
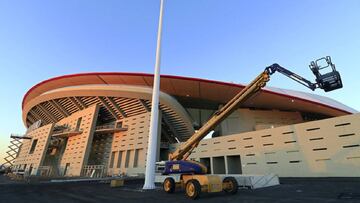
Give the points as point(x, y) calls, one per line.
point(14, 148)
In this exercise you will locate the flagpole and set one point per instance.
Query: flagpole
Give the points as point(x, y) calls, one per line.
point(153, 135)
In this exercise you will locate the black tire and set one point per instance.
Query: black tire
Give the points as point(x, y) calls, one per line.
point(232, 183)
point(193, 189)
point(169, 185)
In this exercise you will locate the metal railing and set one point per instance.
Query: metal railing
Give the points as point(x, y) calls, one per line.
point(66, 131)
point(103, 127)
point(44, 171)
point(94, 171)
point(60, 127)
point(110, 127)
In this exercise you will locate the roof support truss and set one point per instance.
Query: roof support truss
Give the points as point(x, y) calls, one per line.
point(58, 108)
point(117, 107)
point(106, 105)
point(75, 103)
point(80, 102)
point(35, 115)
point(47, 113)
point(167, 136)
point(168, 123)
point(30, 118)
point(145, 105)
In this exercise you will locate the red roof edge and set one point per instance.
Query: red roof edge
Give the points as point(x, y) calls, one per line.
point(173, 77)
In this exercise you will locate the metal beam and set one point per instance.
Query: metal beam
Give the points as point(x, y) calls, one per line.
point(145, 105)
point(117, 107)
point(47, 113)
point(34, 114)
point(168, 137)
point(108, 107)
point(75, 103)
point(20, 137)
point(168, 123)
point(39, 117)
point(59, 108)
point(81, 102)
point(30, 118)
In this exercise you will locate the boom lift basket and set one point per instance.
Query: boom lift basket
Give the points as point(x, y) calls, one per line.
point(328, 81)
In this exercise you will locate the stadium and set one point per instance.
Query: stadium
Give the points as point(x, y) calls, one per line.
point(89, 123)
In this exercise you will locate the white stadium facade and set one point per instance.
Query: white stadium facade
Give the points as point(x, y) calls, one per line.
point(100, 122)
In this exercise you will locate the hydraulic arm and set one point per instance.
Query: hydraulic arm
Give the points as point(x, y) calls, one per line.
point(328, 82)
point(185, 150)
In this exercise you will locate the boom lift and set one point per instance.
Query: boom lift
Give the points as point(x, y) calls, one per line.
point(191, 175)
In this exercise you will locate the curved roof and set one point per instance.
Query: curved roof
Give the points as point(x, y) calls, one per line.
point(116, 102)
point(272, 98)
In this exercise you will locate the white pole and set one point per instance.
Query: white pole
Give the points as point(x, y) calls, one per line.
point(152, 145)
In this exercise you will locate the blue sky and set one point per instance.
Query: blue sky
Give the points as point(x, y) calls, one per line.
point(227, 40)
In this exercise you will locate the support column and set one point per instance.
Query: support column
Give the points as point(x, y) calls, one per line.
point(212, 165)
point(226, 164)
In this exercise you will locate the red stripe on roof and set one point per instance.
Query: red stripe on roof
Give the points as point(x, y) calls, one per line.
point(173, 77)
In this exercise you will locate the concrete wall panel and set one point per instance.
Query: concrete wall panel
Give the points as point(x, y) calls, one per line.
point(126, 142)
point(78, 147)
point(324, 148)
point(35, 159)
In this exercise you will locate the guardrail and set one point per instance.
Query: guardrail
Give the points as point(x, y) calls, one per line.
point(66, 131)
point(94, 171)
point(45, 171)
point(110, 127)
point(103, 127)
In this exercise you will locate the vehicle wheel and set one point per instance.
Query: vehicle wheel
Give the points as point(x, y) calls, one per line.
point(169, 185)
point(193, 189)
point(230, 185)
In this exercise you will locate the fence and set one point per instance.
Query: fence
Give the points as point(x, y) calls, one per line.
point(94, 171)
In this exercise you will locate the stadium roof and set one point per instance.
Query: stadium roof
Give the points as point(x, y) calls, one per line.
point(272, 98)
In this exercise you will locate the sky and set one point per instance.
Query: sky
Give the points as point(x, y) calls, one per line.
point(225, 40)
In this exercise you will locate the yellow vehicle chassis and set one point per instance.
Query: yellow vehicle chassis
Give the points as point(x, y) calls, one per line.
point(194, 185)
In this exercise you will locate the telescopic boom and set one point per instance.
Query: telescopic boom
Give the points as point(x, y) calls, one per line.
point(328, 82)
